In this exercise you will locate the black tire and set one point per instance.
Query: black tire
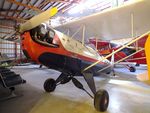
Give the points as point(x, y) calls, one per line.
point(49, 85)
point(132, 69)
point(101, 100)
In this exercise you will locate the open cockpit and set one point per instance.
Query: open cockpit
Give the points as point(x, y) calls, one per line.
point(44, 35)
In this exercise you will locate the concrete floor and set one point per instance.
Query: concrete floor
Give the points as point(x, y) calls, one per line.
point(126, 96)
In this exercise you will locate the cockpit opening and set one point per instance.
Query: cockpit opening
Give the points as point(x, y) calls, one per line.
point(43, 35)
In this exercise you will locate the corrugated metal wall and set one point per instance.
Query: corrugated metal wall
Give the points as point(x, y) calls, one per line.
point(4, 30)
point(11, 49)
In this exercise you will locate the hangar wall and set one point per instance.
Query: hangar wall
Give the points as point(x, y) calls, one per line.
point(6, 26)
point(9, 48)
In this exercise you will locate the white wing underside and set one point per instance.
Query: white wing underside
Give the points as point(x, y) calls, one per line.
point(113, 23)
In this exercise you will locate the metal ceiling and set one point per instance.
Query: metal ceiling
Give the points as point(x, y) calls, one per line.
point(22, 10)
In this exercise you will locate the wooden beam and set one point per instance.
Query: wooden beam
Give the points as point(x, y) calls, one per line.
point(7, 27)
point(11, 10)
point(2, 32)
point(65, 8)
point(13, 18)
point(62, 1)
point(17, 9)
point(51, 5)
point(43, 3)
point(69, 6)
point(25, 5)
point(22, 9)
point(8, 9)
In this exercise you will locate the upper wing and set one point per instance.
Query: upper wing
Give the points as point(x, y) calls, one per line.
point(114, 23)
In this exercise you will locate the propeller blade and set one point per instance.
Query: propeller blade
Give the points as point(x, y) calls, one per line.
point(37, 20)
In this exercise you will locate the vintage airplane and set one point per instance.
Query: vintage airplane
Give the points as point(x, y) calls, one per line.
point(58, 51)
point(106, 47)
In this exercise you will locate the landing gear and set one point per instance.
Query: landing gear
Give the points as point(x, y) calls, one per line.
point(132, 69)
point(137, 64)
point(101, 100)
point(101, 97)
point(50, 85)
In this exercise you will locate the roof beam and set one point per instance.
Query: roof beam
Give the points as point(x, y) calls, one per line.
point(65, 8)
point(23, 9)
point(14, 18)
point(16, 9)
point(63, 1)
point(7, 27)
point(11, 10)
point(2, 4)
point(43, 3)
point(25, 5)
point(2, 32)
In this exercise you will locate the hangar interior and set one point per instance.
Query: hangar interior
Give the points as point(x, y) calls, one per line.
point(88, 44)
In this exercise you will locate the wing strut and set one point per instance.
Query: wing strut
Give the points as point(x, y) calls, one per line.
point(83, 35)
point(120, 60)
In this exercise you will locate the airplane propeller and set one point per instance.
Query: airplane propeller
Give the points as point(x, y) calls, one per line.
point(37, 20)
point(33, 22)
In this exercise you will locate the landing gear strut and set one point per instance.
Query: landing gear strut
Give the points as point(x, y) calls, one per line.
point(101, 97)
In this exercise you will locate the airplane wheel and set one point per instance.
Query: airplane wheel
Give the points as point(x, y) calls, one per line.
point(132, 69)
point(49, 85)
point(101, 100)
point(137, 64)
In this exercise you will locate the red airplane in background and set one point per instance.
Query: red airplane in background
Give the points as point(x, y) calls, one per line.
point(106, 47)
